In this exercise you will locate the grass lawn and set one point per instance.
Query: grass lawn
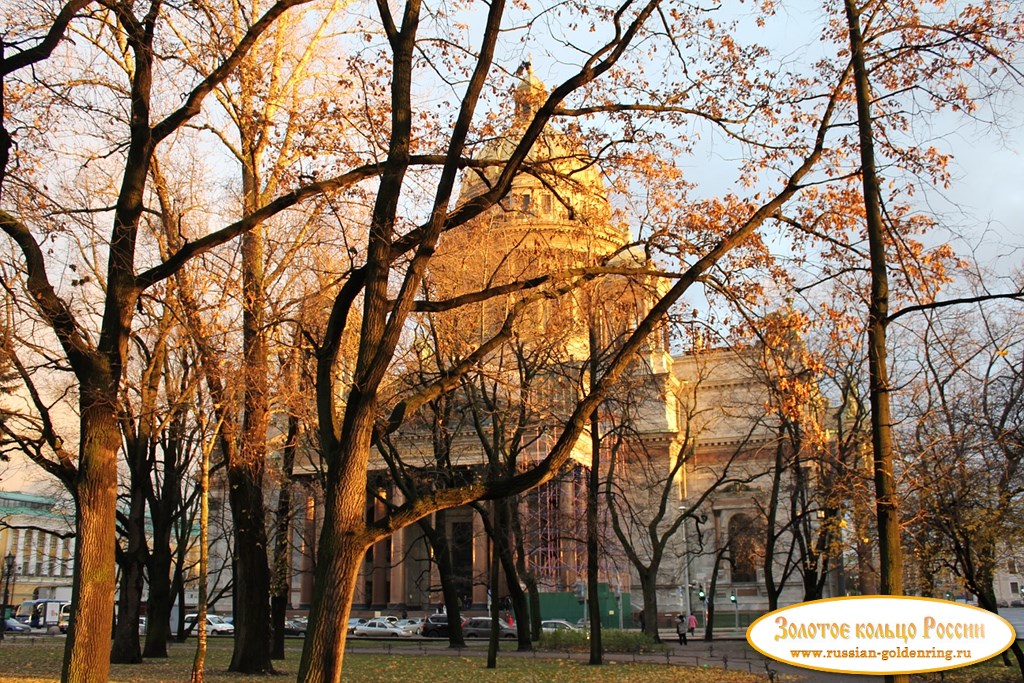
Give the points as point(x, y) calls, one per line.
point(39, 660)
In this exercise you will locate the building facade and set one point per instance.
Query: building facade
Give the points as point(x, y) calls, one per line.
point(37, 544)
point(704, 405)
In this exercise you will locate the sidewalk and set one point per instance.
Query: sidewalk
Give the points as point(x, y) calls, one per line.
point(727, 651)
point(730, 650)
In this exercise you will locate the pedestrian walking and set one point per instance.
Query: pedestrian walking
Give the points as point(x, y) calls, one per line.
point(681, 629)
point(691, 623)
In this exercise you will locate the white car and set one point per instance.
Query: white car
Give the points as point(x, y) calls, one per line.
point(379, 628)
point(413, 625)
point(552, 625)
point(215, 625)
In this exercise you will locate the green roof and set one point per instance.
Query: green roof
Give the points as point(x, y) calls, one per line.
point(15, 503)
point(25, 497)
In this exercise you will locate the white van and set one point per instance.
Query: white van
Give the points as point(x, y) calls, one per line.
point(64, 620)
point(40, 613)
point(215, 625)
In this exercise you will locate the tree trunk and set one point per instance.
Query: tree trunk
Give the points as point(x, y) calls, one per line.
point(492, 587)
point(709, 624)
point(178, 585)
point(199, 662)
point(503, 545)
point(165, 509)
point(282, 543)
point(438, 540)
point(649, 589)
point(772, 589)
point(95, 504)
point(532, 591)
point(340, 555)
point(251, 594)
point(158, 608)
point(251, 576)
point(126, 648)
point(593, 489)
point(533, 596)
point(278, 616)
point(890, 551)
point(980, 583)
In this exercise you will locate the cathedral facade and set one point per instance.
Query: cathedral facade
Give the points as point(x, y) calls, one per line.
point(688, 429)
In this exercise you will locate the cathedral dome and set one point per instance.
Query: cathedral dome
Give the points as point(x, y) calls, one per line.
point(559, 192)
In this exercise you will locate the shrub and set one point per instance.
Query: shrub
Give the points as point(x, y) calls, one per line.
point(613, 640)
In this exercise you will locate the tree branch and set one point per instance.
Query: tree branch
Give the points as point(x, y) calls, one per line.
point(55, 311)
point(1018, 295)
point(194, 101)
point(45, 47)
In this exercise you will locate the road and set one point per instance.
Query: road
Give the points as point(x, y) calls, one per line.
point(729, 651)
point(1014, 615)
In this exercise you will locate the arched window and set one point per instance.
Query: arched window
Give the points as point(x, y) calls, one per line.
point(746, 548)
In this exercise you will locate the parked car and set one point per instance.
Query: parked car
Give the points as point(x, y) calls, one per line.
point(380, 628)
point(215, 625)
point(435, 626)
point(552, 625)
point(12, 625)
point(294, 627)
point(480, 627)
point(413, 625)
point(64, 620)
point(353, 622)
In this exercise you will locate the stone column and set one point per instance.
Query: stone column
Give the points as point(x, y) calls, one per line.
point(399, 593)
point(307, 548)
point(381, 560)
point(359, 597)
point(433, 594)
point(567, 576)
point(481, 562)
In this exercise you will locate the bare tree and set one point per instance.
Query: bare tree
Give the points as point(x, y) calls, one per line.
point(964, 446)
point(652, 493)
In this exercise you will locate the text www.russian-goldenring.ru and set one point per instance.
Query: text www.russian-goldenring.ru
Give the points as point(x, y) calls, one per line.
point(884, 655)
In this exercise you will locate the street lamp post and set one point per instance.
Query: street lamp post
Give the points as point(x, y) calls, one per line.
point(581, 598)
point(618, 600)
point(687, 608)
point(8, 571)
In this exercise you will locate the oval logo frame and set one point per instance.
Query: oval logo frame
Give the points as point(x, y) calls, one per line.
point(878, 635)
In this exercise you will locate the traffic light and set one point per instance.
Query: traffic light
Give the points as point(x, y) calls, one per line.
point(702, 595)
point(948, 595)
point(732, 597)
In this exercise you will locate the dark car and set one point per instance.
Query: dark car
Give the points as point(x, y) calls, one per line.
point(435, 626)
point(480, 627)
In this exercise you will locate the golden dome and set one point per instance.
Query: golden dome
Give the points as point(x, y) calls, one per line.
point(560, 189)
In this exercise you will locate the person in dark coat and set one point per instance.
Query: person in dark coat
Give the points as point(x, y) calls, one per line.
point(681, 629)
